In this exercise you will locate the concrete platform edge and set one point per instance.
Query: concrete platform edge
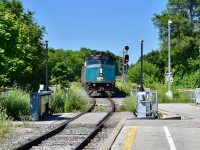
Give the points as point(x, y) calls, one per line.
point(109, 142)
point(171, 118)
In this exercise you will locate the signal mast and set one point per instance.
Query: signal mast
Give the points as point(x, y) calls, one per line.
point(124, 63)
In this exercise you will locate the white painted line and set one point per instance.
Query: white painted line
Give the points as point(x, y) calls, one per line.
point(169, 138)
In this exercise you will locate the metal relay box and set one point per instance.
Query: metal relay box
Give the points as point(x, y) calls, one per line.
point(40, 104)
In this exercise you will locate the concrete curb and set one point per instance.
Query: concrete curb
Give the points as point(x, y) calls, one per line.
point(143, 118)
point(171, 118)
point(110, 140)
point(153, 118)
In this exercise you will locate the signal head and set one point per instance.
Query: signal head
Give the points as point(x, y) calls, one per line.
point(126, 48)
point(126, 58)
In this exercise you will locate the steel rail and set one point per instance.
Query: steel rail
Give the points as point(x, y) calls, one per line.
point(53, 132)
point(97, 129)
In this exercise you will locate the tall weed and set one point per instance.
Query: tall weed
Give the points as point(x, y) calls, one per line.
point(5, 124)
point(129, 104)
point(125, 87)
point(16, 103)
point(75, 102)
point(178, 97)
point(68, 100)
point(58, 98)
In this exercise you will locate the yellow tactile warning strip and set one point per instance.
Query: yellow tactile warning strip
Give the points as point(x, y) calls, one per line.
point(130, 138)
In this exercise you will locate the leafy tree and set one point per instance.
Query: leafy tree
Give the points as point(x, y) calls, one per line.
point(155, 58)
point(20, 45)
point(185, 29)
point(150, 73)
point(66, 65)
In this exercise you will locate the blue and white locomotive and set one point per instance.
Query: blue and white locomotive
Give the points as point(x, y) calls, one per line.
point(98, 74)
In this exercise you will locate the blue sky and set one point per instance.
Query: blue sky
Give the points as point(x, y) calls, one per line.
point(99, 24)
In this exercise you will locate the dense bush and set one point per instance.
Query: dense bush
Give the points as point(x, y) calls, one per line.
point(16, 103)
point(68, 100)
point(75, 102)
point(129, 104)
point(58, 98)
point(187, 81)
point(151, 73)
point(178, 96)
point(125, 87)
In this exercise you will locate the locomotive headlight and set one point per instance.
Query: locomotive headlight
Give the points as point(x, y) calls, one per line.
point(94, 84)
point(101, 72)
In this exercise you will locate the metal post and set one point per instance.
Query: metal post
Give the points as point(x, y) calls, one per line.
point(123, 63)
point(141, 94)
point(199, 69)
point(169, 92)
point(46, 88)
point(123, 72)
point(141, 68)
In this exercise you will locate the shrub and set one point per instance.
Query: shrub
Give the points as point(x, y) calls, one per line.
point(68, 100)
point(125, 87)
point(178, 97)
point(187, 80)
point(5, 123)
point(57, 104)
point(151, 73)
point(16, 103)
point(129, 104)
point(75, 102)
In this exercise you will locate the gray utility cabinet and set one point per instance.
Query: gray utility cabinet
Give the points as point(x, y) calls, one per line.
point(40, 104)
point(197, 95)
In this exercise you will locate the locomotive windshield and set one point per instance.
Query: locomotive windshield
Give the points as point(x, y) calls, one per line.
point(100, 58)
point(98, 62)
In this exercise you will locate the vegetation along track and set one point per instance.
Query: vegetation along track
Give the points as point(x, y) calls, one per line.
point(69, 137)
point(53, 132)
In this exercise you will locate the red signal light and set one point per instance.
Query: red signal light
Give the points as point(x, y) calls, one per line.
point(126, 58)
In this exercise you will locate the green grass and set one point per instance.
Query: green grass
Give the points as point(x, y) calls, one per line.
point(126, 87)
point(178, 96)
point(75, 102)
point(58, 98)
point(16, 103)
point(100, 109)
point(5, 124)
point(68, 100)
point(129, 104)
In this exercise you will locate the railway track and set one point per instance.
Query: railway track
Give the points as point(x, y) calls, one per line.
point(97, 129)
point(64, 137)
